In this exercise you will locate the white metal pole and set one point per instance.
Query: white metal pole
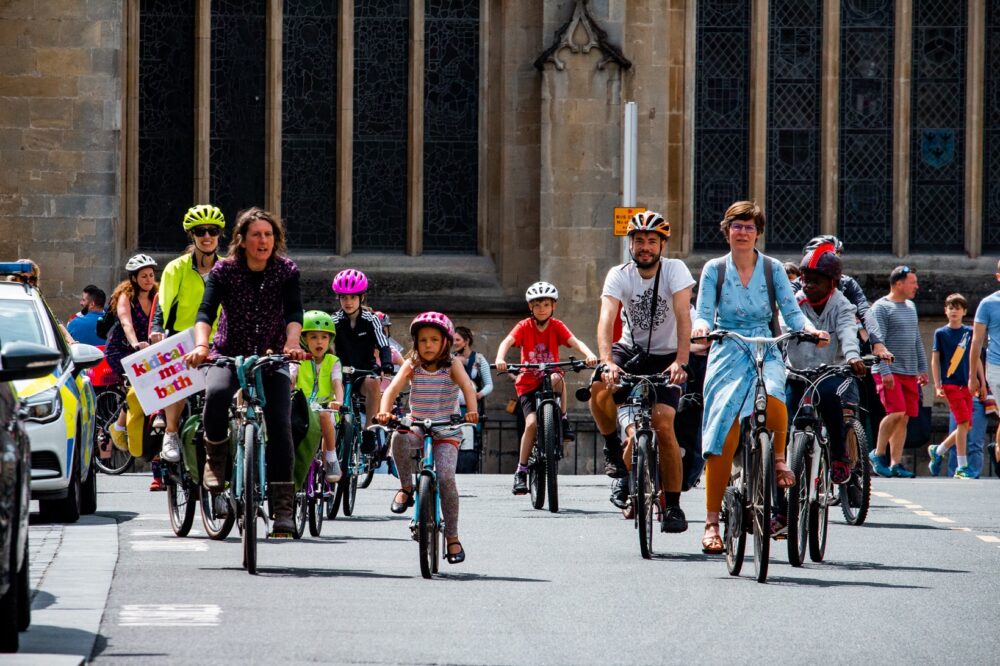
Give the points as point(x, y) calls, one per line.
point(630, 152)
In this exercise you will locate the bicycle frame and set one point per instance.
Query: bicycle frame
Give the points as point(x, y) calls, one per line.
point(427, 469)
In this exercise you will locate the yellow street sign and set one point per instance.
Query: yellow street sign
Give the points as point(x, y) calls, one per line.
point(622, 216)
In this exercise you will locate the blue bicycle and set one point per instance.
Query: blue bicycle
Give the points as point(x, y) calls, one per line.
point(427, 526)
point(357, 461)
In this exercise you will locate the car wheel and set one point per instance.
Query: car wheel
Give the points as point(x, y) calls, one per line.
point(9, 611)
point(88, 504)
point(24, 593)
point(67, 509)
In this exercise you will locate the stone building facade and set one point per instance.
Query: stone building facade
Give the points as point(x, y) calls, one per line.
point(458, 150)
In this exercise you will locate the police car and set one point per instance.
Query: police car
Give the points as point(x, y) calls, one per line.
point(58, 407)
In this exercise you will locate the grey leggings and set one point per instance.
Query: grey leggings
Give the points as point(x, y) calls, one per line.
point(445, 459)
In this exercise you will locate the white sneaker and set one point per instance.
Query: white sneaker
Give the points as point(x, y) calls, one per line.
point(171, 451)
point(333, 472)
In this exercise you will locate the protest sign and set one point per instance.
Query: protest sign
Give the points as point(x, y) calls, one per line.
point(158, 373)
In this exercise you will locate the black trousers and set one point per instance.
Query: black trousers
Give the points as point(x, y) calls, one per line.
point(221, 386)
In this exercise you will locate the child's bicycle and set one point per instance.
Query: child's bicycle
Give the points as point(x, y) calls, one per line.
point(543, 464)
point(427, 526)
point(355, 461)
point(317, 491)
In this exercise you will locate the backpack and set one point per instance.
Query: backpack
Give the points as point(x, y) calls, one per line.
point(769, 264)
point(106, 322)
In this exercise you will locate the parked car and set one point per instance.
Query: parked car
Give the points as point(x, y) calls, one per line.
point(59, 407)
point(19, 361)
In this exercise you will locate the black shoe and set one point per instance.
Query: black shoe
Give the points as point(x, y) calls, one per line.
point(619, 493)
point(568, 433)
point(520, 483)
point(673, 520)
point(613, 464)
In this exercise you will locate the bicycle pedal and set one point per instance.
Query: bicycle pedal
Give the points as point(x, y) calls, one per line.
point(281, 535)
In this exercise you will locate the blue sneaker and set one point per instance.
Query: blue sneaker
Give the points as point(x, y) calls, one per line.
point(901, 472)
point(878, 464)
point(964, 472)
point(934, 466)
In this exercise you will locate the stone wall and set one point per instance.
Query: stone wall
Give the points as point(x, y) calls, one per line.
point(60, 122)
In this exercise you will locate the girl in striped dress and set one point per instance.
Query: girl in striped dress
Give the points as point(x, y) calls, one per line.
point(435, 379)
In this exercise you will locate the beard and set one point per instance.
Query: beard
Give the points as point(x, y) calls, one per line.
point(645, 264)
point(84, 310)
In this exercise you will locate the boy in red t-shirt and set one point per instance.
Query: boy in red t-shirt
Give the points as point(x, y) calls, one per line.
point(539, 337)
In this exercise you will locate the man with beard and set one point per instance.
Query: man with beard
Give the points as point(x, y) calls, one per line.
point(83, 326)
point(655, 298)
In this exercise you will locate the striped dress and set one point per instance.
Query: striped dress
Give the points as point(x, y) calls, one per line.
point(434, 395)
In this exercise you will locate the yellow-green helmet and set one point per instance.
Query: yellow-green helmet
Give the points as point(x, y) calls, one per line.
point(317, 320)
point(203, 215)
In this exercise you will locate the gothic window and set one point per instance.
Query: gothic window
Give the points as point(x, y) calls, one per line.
point(991, 135)
point(793, 122)
point(309, 123)
point(937, 142)
point(236, 153)
point(381, 79)
point(866, 105)
point(166, 123)
point(722, 115)
point(451, 125)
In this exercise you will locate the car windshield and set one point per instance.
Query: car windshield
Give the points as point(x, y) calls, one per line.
point(19, 322)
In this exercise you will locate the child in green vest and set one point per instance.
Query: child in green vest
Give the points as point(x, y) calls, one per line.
point(321, 379)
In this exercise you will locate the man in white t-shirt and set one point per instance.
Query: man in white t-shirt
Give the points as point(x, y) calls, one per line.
point(656, 338)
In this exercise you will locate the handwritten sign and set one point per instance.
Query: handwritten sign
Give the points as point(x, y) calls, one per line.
point(622, 216)
point(158, 373)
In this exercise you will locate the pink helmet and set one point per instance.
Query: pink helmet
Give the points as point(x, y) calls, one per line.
point(350, 281)
point(433, 319)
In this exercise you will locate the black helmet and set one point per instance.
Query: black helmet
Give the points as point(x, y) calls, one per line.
point(824, 260)
point(825, 239)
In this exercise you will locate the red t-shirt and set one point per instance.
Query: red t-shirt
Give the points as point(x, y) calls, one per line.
point(537, 347)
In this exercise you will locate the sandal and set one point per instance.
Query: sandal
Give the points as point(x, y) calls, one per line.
point(712, 544)
point(455, 558)
point(628, 511)
point(400, 507)
point(779, 527)
point(785, 478)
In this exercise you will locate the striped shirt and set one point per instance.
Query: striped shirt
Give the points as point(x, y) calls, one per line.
point(901, 335)
point(434, 395)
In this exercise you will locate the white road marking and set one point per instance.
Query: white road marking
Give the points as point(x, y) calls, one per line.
point(924, 513)
point(173, 545)
point(169, 533)
point(902, 501)
point(877, 493)
point(169, 615)
point(913, 506)
point(941, 519)
point(152, 516)
point(962, 529)
point(988, 538)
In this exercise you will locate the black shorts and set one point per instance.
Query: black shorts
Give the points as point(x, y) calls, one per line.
point(654, 363)
point(528, 402)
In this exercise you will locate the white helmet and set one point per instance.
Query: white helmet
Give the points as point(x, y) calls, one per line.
point(138, 262)
point(541, 290)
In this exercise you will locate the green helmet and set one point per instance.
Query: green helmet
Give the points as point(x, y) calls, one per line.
point(203, 215)
point(317, 320)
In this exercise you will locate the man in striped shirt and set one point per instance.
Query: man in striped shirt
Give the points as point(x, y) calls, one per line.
point(899, 385)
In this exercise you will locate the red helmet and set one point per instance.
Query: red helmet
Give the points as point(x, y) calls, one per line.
point(435, 319)
point(824, 260)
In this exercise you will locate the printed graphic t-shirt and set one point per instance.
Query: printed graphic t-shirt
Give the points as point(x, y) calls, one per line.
point(537, 347)
point(952, 346)
point(635, 293)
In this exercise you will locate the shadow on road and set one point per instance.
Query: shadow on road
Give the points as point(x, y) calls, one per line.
point(484, 577)
point(687, 557)
point(907, 526)
point(297, 572)
point(41, 599)
point(816, 582)
point(878, 566)
point(119, 516)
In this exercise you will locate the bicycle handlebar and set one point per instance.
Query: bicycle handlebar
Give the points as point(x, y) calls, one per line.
point(407, 422)
point(842, 369)
point(572, 364)
point(258, 361)
point(720, 334)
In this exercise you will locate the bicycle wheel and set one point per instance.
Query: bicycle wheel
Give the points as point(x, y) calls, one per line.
point(536, 479)
point(350, 484)
point(366, 480)
point(734, 537)
point(819, 511)
point(645, 494)
point(856, 494)
point(550, 432)
point(345, 437)
point(108, 405)
point(798, 497)
point(181, 504)
point(216, 527)
point(761, 486)
point(301, 514)
point(250, 495)
point(317, 481)
point(426, 528)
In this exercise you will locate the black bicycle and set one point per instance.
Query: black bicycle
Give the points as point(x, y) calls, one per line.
point(543, 463)
point(809, 500)
point(856, 495)
point(746, 504)
point(356, 462)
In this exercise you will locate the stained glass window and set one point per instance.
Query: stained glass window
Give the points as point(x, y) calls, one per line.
point(937, 143)
point(722, 115)
point(381, 78)
point(309, 123)
point(166, 121)
point(866, 103)
point(238, 101)
point(793, 122)
point(451, 125)
point(991, 134)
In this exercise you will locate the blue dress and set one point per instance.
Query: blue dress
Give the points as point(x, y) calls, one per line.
point(731, 375)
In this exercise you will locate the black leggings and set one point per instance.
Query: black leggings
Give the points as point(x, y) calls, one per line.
point(221, 386)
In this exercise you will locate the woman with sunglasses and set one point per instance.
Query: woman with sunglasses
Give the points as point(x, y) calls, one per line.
point(182, 286)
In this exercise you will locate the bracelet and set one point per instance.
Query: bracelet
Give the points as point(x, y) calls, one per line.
point(201, 345)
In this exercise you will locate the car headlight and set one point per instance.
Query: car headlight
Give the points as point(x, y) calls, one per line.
point(43, 407)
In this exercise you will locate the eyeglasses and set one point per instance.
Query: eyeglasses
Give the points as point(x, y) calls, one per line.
point(737, 227)
point(211, 231)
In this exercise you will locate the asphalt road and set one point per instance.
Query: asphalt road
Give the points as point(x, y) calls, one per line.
point(567, 588)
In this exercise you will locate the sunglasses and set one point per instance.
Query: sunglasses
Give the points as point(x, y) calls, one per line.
point(203, 231)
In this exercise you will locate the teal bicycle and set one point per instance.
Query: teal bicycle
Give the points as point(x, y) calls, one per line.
point(357, 459)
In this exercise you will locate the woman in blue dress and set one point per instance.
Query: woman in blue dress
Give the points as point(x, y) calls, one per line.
point(729, 381)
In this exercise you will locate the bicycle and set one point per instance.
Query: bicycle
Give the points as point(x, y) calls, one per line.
point(809, 500)
point(317, 491)
point(856, 495)
point(354, 462)
point(543, 463)
point(746, 504)
point(109, 404)
point(183, 478)
point(427, 526)
point(249, 487)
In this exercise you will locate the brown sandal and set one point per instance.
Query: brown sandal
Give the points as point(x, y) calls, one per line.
point(712, 545)
point(785, 478)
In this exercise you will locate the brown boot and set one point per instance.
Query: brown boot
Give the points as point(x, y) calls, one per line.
point(283, 502)
point(214, 475)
